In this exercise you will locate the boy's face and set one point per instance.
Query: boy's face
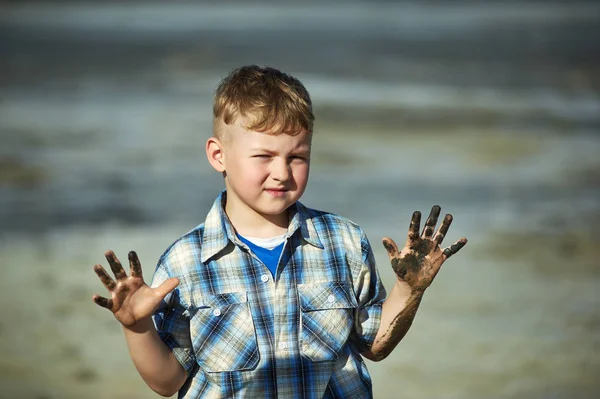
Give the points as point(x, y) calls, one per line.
point(264, 174)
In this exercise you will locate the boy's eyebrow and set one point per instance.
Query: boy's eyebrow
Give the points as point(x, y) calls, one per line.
point(300, 149)
point(262, 149)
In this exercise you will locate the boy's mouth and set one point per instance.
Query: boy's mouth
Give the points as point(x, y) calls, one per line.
point(276, 192)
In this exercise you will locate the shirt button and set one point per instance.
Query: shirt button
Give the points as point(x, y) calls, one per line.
point(264, 278)
point(282, 345)
point(331, 299)
point(217, 312)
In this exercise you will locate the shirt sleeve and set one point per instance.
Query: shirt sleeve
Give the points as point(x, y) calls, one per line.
point(172, 322)
point(370, 294)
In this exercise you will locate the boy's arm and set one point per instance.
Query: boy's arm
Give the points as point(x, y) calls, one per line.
point(155, 362)
point(416, 265)
point(133, 302)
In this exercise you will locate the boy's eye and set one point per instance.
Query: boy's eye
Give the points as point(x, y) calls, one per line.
point(264, 156)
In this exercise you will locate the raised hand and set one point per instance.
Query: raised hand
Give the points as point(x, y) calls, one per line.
point(131, 298)
point(421, 258)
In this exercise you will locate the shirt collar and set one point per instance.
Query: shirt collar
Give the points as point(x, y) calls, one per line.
point(218, 231)
point(300, 218)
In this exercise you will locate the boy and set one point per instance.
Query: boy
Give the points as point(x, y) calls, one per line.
point(268, 298)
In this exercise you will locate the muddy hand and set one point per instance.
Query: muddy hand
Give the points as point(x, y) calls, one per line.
point(421, 258)
point(131, 299)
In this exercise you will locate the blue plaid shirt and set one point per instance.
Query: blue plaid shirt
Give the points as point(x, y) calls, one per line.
point(240, 333)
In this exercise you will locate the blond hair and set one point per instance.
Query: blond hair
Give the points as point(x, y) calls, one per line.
point(269, 100)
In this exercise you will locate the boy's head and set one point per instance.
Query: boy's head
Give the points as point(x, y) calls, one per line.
point(269, 100)
point(262, 130)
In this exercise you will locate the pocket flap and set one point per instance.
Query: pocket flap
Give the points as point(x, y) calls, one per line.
point(219, 300)
point(329, 295)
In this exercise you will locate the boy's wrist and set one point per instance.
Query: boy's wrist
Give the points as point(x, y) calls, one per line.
point(407, 291)
point(142, 326)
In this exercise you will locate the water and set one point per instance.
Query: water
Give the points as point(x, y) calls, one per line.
point(491, 111)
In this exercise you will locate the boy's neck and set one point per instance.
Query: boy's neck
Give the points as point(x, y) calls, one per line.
point(248, 223)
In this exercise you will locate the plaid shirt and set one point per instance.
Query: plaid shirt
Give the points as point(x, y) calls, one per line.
point(240, 333)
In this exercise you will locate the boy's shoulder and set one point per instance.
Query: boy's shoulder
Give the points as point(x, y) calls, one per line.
point(185, 249)
point(334, 231)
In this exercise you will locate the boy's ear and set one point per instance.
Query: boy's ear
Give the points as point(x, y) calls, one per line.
point(214, 153)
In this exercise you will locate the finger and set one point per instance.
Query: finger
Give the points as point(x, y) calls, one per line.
point(104, 302)
point(431, 221)
point(108, 282)
point(413, 229)
point(390, 247)
point(115, 265)
point(454, 248)
point(441, 233)
point(166, 287)
point(134, 265)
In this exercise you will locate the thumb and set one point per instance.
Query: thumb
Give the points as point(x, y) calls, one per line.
point(390, 247)
point(166, 287)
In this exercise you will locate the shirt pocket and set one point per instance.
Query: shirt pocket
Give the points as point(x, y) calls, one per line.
point(222, 333)
point(326, 318)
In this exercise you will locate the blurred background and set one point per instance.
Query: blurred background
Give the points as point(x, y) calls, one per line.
point(489, 108)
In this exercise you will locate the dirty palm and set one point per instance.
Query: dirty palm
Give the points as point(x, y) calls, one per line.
point(421, 258)
point(416, 264)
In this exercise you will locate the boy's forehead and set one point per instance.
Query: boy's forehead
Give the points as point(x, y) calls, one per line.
point(238, 133)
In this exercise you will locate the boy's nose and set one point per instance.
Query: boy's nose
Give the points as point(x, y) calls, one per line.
point(281, 170)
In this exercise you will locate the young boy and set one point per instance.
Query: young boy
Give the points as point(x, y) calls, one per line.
point(268, 298)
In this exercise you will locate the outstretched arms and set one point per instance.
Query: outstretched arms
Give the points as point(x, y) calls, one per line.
point(415, 266)
point(133, 302)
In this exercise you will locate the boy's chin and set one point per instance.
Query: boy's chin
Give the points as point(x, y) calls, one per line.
point(276, 209)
